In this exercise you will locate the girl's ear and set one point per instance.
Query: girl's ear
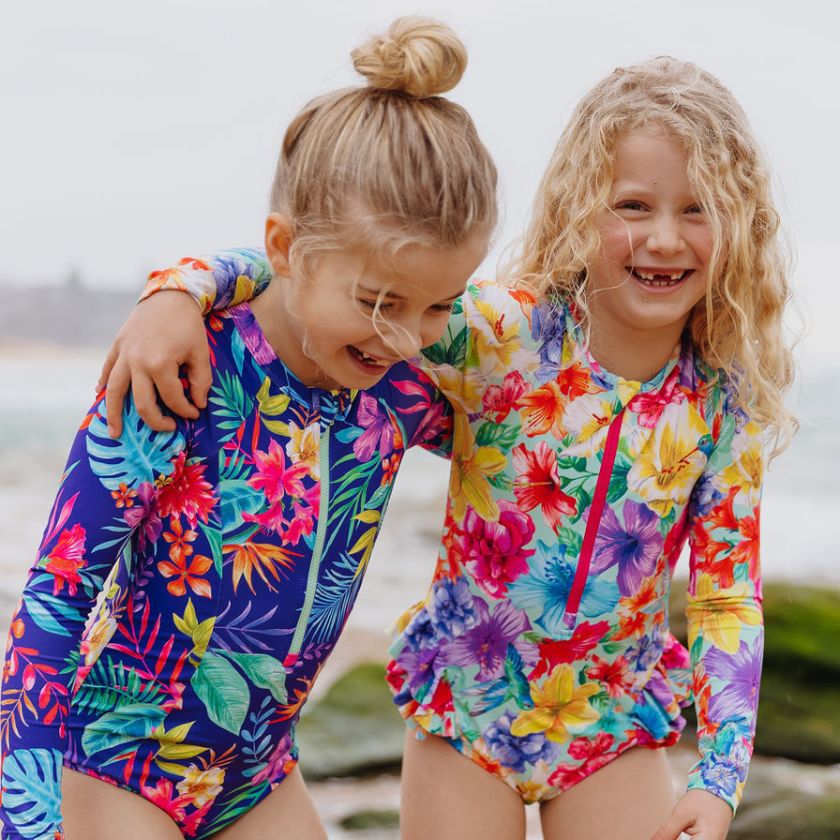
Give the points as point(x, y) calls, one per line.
point(278, 241)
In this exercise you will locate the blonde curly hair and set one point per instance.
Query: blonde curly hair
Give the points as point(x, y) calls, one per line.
point(737, 328)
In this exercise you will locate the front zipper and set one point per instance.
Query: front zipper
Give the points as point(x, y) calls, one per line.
point(315, 564)
point(596, 511)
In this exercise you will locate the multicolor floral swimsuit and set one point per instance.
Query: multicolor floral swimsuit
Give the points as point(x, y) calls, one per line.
point(542, 651)
point(226, 557)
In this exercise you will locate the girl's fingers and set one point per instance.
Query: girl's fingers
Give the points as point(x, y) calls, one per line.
point(671, 828)
point(107, 367)
point(199, 375)
point(145, 401)
point(171, 391)
point(119, 379)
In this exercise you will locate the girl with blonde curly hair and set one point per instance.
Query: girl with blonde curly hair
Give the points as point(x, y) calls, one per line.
point(613, 400)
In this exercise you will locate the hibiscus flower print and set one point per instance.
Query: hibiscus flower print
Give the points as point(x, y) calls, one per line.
point(538, 483)
point(737, 695)
point(634, 546)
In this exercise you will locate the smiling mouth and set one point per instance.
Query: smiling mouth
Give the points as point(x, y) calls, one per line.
point(372, 363)
point(659, 280)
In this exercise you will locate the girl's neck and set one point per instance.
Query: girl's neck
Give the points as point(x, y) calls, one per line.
point(629, 353)
point(284, 332)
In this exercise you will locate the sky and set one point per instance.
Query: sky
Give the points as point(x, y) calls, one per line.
point(134, 134)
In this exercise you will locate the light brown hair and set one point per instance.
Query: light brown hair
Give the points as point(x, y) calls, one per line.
point(392, 163)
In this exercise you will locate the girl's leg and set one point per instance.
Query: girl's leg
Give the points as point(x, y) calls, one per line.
point(446, 796)
point(288, 811)
point(628, 798)
point(95, 810)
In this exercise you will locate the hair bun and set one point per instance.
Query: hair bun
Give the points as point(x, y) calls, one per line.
point(417, 56)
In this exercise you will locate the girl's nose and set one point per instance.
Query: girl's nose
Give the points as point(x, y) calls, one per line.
point(665, 237)
point(404, 340)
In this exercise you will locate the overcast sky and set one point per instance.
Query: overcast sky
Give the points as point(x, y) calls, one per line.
point(135, 134)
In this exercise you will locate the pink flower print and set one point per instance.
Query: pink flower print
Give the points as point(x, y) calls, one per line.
point(66, 558)
point(145, 515)
point(495, 551)
point(501, 399)
point(273, 477)
point(649, 406)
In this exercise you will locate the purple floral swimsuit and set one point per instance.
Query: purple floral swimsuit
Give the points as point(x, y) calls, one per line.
point(191, 584)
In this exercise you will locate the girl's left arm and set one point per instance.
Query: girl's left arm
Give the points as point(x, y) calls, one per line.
point(725, 621)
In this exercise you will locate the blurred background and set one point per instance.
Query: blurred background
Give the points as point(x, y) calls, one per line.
point(134, 135)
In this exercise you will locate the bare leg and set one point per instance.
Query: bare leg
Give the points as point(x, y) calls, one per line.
point(96, 810)
point(628, 799)
point(446, 796)
point(287, 812)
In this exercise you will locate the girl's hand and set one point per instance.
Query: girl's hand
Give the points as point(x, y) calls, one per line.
point(701, 815)
point(162, 333)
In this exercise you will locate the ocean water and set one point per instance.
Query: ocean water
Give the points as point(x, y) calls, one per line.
point(44, 392)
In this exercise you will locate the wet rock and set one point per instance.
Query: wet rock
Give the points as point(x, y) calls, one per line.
point(369, 819)
point(786, 800)
point(355, 729)
point(799, 709)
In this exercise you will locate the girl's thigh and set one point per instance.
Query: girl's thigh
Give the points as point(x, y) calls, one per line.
point(287, 812)
point(627, 799)
point(445, 796)
point(96, 810)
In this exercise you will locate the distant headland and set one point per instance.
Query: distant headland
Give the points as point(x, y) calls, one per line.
point(71, 313)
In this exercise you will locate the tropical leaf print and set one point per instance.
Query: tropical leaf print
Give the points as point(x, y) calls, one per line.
point(32, 791)
point(111, 685)
point(245, 632)
point(138, 456)
point(334, 598)
point(234, 406)
point(238, 498)
point(264, 672)
point(132, 722)
point(50, 612)
point(222, 690)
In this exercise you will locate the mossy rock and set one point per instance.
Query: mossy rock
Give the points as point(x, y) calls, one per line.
point(811, 817)
point(799, 709)
point(355, 729)
point(371, 819)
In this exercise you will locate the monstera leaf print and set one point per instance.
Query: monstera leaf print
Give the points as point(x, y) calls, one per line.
point(32, 791)
point(139, 455)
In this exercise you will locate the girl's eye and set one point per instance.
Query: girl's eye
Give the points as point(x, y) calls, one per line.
point(372, 305)
point(695, 208)
point(630, 205)
point(443, 307)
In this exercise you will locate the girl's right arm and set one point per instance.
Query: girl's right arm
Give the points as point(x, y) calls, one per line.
point(166, 331)
point(107, 493)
